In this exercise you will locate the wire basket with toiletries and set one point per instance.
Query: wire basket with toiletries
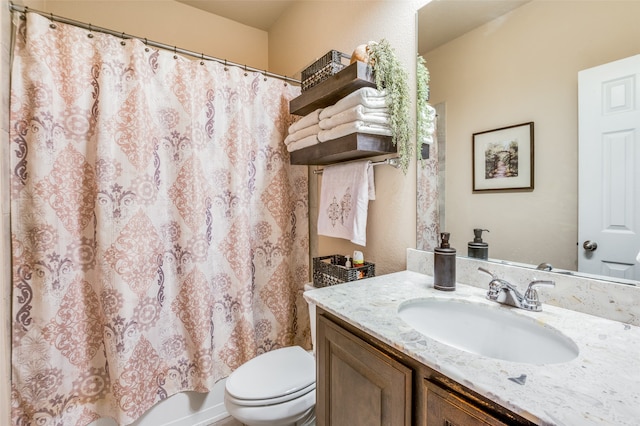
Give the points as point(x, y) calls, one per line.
point(333, 269)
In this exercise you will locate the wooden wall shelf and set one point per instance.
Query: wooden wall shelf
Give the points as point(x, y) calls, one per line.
point(333, 89)
point(351, 147)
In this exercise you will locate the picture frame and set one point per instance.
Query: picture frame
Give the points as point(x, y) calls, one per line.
point(503, 159)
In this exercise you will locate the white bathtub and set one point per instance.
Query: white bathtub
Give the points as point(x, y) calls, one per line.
point(182, 409)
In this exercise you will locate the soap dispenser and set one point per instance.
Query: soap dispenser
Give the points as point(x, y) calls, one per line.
point(477, 248)
point(444, 265)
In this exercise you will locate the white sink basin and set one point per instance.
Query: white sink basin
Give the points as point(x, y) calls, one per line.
point(492, 331)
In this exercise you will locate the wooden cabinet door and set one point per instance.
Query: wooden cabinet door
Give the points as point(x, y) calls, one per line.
point(447, 409)
point(356, 383)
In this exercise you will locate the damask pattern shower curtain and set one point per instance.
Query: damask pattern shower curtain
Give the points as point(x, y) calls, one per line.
point(159, 235)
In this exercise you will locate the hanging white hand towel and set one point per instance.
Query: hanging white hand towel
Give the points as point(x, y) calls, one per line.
point(344, 201)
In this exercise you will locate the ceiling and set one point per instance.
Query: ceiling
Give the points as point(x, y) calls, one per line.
point(439, 20)
point(261, 14)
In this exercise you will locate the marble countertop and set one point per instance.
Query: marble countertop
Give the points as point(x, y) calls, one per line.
point(599, 387)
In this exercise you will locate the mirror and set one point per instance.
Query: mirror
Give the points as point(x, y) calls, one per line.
point(519, 63)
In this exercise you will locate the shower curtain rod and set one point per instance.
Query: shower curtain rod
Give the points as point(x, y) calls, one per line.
point(124, 36)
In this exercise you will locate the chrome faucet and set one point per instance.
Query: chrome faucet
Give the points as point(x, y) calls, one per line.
point(505, 293)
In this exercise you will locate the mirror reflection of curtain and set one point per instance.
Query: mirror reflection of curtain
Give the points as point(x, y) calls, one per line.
point(159, 235)
point(428, 219)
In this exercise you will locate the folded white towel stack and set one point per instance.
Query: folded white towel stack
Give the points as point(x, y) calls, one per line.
point(353, 127)
point(304, 132)
point(344, 201)
point(366, 96)
point(362, 111)
point(306, 121)
point(302, 143)
point(356, 113)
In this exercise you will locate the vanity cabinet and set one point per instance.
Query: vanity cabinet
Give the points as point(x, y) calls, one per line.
point(362, 381)
point(358, 384)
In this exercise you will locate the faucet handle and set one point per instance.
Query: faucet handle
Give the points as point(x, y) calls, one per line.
point(486, 271)
point(494, 285)
point(531, 300)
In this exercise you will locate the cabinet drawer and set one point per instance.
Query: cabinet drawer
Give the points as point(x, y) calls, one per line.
point(447, 409)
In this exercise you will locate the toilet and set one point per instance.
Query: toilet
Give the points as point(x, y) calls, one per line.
point(277, 388)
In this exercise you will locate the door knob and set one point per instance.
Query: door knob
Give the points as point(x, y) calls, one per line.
point(590, 245)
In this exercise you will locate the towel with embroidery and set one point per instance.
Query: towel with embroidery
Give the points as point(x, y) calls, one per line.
point(344, 201)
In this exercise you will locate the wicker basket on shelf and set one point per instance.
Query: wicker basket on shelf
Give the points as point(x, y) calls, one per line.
point(329, 64)
point(330, 270)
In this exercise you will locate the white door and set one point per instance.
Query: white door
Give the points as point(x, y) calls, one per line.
point(609, 169)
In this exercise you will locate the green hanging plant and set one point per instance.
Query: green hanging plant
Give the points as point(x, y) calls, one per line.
point(393, 78)
point(425, 114)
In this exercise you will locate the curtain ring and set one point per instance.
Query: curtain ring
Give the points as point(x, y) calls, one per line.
point(23, 16)
point(146, 49)
point(175, 54)
point(265, 75)
point(245, 70)
point(52, 25)
point(202, 59)
point(285, 80)
point(90, 35)
point(122, 42)
point(225, 65)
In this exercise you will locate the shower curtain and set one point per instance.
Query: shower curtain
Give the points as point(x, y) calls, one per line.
point(159, 235)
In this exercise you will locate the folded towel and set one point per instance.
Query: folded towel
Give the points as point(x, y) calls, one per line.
point(344, 201)
point(306, 121)
point(358, 112)
point(302, 133)
point(303, 143)
point(366, 96)
point(354, 127)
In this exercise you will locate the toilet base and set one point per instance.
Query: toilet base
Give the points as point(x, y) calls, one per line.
point(290, 413)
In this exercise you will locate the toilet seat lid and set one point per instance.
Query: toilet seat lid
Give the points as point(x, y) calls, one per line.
point(273, 374)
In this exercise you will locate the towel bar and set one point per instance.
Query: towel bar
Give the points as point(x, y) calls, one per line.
point(394, 162)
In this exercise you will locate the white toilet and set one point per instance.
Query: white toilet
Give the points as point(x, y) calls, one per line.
point(277, 388)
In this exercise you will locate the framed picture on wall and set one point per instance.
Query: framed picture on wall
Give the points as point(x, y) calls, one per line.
point(503, 159)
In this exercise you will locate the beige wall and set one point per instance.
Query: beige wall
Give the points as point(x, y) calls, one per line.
point(519, 68)
point(168, 22)
point(307, 31)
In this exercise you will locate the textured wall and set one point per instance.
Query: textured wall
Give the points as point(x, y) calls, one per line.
point(168, 22)
point(307, 31)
